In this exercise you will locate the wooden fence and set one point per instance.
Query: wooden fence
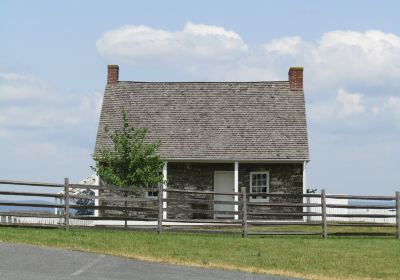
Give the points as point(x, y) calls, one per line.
point(176, 210)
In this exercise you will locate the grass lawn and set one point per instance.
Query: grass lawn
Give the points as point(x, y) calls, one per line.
point(310, 257)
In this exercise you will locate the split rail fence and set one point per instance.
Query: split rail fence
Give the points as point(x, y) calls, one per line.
point(175, 210)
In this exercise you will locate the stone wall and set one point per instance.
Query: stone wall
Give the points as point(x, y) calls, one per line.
point(284, 178)
point(139, 193)
point(192, 176)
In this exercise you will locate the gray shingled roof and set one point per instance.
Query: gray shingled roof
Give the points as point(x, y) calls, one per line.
point(211, 120)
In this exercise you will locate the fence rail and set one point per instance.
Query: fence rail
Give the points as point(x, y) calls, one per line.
point(200, 211)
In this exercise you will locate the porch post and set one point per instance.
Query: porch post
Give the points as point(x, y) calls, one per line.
point(305, 199)
point(96, 193)
point(56, 209)
point(164, 186)
point(236, 187)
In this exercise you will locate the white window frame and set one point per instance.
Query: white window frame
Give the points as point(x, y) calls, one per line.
point(259, 198)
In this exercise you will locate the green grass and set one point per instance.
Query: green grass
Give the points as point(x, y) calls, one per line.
point(310, 257)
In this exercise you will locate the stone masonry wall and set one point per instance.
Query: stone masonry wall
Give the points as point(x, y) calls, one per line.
point(139, 193)
point(283, 178)
point(192, 176)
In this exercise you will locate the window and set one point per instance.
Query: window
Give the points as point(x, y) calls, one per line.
point(152, 193)
point(259, 183)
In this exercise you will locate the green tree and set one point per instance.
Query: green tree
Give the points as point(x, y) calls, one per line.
point(311, 190)
point(85, 202)
point(131, 162)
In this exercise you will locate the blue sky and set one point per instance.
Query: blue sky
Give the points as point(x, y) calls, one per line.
point(53, 58)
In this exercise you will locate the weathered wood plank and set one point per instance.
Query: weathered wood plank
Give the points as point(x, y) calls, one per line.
point(283, 223)
point(110, 218)
point(362, 234)
point(290, 195)
point(31, 194)
point(115, 227)
point(50, 205)
point(31, 225)
point(284, 204)
point(323, 211)
point(66, 201)
point(208, 225)
point(201, 201)
point(285, 233)
point(360, 224)
point(244, 213)
point(116, 208)
point(30, 215)
point(178, 210)
point(362, 197)
point(207, 231)
point(160, 210)
point(362, 215)
point(205, 221)
point(96, 187)
point(398, 215)
point(284, 214)
point(199, 192)
point(355, 206)
point(26, 183)
point(107, 198)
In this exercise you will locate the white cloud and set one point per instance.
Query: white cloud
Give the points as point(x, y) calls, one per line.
point(322, 111)
point(393, 103)
point(372, 111)
point(351, 102)
point(45, 131)
point(372, 57)
point(337, 59)
point(348, 74)
point(284, 46)
point(14, 86)
point(16, 77)
point(209, 30)
point(27, 103)
point(393, 106)
point(141, 44)
point(390, 107)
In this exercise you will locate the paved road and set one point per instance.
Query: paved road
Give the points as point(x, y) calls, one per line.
point(29, 262)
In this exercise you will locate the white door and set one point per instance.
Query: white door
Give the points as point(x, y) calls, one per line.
point(224, 182)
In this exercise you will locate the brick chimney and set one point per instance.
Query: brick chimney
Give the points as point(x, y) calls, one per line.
point(112, 75)
point(296, 78)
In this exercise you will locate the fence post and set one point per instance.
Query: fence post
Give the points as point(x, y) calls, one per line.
point(126, 213)
point(323, 212)
point(244, 212)
point(160, 209)
point(398, 214)
point(66, 201)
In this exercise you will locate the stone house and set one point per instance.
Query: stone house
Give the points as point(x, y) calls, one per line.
point(217, 136)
